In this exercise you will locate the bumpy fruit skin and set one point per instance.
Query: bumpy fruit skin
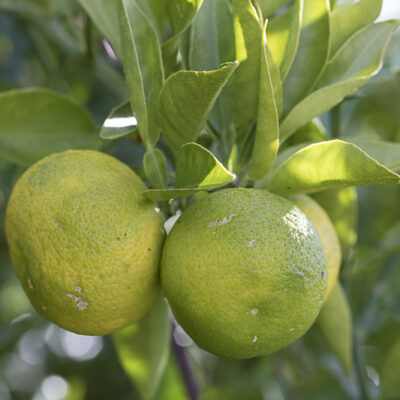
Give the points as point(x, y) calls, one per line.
point(84, 242)
point(317, 215)
point(244, 271)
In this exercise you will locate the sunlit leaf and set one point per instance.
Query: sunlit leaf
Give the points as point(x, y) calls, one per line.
point(266, 140)
point(311, 54)
point(143, 68)
point(327, 165)
point(196, 169)
point(143, 349)
point(283, 37)
point(347, 19)
point(335, 323)
point(120, 123)
point(356, 62)
point(270, 7)
point(186, 100)
point(38, 122)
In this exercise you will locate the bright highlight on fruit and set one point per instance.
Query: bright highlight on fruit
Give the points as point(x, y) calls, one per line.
point(245, 272)
point(317, 215)
point(84, 242)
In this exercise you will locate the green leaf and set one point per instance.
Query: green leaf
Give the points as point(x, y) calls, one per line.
point(347, 19)
point(342, 207)
point(155, 167)
point(311, 55)
point(143, 349)
point(196, 169)
point(143, 68)
point(387, 153)
point(283, 37)
point(266, 141)
point(38, 122)
point(357, 61)
point(390, 373)
point(120, 123)
point(313, 132)
point(248, 36)
point(211, 44)
point(270, 7)
point(328, 165)
point(186, 100)
point(335, 323)
point(104, 14)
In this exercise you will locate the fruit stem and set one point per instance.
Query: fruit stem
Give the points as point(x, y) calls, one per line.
point(186, 370)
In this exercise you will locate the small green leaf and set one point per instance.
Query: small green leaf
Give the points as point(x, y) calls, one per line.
point(196, 169)
point(283, 37)
point(311, 55)
point(313, 132)
point(356, 62)
point(387, 153)
point(120, 123)
point(328, 165)
point(266, 140)
point(347, 19)
point(248, 36)
point(342, 207)
point(335, 323)
point(143, 68)
point(155, 166)
point(186, 100)
point(104, 14)
point(38, 122)
point(143, 349)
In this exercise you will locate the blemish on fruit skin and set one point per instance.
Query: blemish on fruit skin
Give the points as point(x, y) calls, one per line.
point(291, 329)
point(251, 243)
point(44, 308)
point(223, 221)
point(30, 284)
point(255, 339)
point(114, 308)
point(81, 303)
point(78, 289)
point(254, 311)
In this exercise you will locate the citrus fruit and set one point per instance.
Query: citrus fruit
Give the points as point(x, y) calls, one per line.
point(317, 215)
point(244, 272)
point(84, 242)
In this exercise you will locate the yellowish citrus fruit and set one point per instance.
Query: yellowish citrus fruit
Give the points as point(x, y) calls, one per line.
point(84, 242)
point(317, 215)
point(244, 271)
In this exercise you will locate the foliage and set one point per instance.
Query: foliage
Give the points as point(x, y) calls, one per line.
point(196, 95)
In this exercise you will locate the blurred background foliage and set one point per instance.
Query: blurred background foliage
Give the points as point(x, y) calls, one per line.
point(52, 44)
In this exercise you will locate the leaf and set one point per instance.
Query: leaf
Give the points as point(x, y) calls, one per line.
point(387, 153)
point(120, 123)
point(266, 141)
point(347, 19)
point(211, 44)
point(313, 132)
point(328, 165)
point(104, 14)
point(186, 100)
point(270, 7)
point(143, 349)
point(283, 37)
point(155, 167)
point(390, 373)
point(342, 207)
point(248, 36)
point(196, 169)
point(357, 61)
point(335, 323)
point(311, 55)
point(143, 68)
point(38, 122)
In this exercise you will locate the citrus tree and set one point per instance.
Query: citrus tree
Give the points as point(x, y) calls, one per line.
point(178, 177)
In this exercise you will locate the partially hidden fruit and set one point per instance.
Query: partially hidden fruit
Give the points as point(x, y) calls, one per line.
point(244, 271)
point(84, 242)
point(317, 215)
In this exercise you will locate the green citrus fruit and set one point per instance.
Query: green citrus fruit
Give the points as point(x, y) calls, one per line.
point(84, 242)
point(244, 271)
point(317, 215)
